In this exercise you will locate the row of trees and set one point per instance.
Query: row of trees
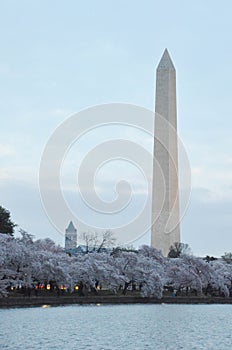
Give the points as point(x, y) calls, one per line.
point(26, 262)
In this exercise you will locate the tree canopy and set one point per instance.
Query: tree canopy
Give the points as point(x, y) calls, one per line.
point(29, 263)
point(177, 249)
point(6, 224)
point(227, 257)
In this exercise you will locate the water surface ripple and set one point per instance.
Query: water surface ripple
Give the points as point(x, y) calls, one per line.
point(111, 327)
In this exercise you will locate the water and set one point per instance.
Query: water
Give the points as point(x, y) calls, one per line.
point(111, 327)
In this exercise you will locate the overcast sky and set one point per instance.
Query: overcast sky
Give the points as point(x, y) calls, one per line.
point(60, 57)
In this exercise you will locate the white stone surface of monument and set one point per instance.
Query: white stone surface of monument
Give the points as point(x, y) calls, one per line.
point(165, 198)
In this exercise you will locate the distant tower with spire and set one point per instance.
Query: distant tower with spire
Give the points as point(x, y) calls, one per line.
point(70, 237)
point(165, 198)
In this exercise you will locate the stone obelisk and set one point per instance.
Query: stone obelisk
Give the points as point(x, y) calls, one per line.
point(165, 198)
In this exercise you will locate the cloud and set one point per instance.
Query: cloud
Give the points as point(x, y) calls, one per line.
point(207, 225)
point(61, 112)
point(22, 199)
point(6, 150)
point(19, 174)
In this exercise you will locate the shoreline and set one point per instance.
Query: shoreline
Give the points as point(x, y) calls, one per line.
point(9, 302)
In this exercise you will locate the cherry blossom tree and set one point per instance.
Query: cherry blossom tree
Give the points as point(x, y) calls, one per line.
point(25, 262)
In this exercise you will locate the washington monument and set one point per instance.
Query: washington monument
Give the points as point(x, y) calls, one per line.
point(165, 198)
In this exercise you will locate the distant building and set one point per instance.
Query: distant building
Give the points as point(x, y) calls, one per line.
point(83, 249)
point(70, 237)
point(72, 248)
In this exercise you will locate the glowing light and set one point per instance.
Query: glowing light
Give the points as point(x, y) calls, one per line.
point(48, 287)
